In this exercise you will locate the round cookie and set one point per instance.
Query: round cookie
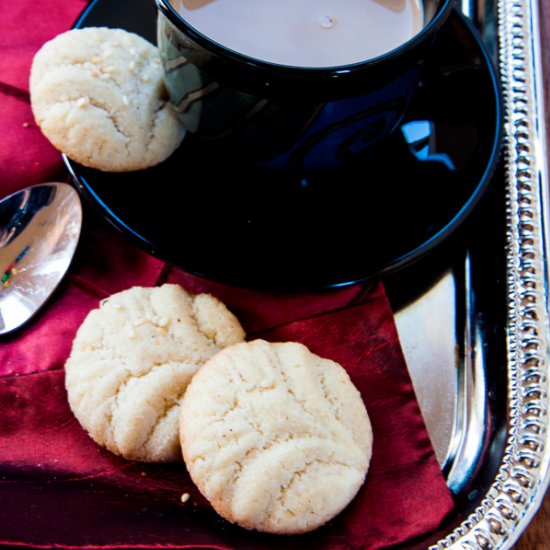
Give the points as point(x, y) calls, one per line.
point(277, 438)
point(98, 95)
point(131, 361)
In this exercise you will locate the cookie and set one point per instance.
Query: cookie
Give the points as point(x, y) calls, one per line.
point(98, 96)
point(276, 438)
point(131, 361)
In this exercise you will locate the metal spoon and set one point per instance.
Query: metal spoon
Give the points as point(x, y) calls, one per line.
point(39, 232)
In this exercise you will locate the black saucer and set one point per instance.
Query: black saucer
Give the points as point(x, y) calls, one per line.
point(246, 227)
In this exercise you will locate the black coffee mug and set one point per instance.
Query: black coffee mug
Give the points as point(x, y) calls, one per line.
point(283, 116)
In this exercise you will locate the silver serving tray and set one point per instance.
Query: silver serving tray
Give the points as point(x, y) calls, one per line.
point(476, 338)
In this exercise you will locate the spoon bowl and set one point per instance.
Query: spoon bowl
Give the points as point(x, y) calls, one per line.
point(39, 232)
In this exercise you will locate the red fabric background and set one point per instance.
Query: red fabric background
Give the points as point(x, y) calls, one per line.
point(57, 488)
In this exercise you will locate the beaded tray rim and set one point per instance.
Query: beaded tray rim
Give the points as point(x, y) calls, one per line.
point(523, 475)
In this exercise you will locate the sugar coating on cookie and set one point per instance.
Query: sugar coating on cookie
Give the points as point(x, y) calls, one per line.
point(98, 95)
point(277, 438)
point(131, 361)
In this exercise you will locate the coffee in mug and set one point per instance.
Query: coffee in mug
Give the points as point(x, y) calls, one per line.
point(312, 33)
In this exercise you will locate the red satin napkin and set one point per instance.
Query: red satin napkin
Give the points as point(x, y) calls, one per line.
point(58, 488)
